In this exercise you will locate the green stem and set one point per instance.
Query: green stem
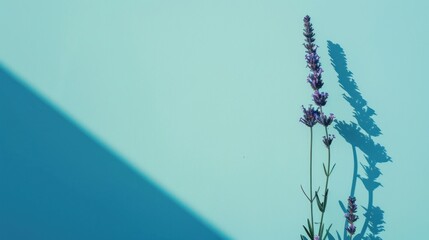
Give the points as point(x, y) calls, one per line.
point(326, 183)
point(311, 179)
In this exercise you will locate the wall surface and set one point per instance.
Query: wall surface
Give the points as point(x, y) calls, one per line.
point(179, 119)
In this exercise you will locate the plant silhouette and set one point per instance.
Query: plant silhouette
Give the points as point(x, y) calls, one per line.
point(360, 135)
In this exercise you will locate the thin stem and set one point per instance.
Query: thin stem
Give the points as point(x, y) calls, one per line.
point(327, 181)
point(311, 179)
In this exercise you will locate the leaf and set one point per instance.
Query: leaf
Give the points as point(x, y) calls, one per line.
point(327, 232)
point(303, 238)
point(325, 199)
point(321, 205)
point(332, 169)
point(324, 169)
point(306, 195)
point(306, 230)
point(309, 229)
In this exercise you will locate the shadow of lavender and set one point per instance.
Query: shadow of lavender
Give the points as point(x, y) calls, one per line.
point(360, 136)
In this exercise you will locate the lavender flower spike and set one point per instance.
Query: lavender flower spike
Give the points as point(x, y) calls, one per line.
point(310, 116)
point(316, 237)
point(320, 98)
point(325, 120)
point(312, 58)
point(350, 216)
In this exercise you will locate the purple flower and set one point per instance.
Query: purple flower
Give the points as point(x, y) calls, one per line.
point(316, 237)
point(310, 116)
point(320, 98)
point(313, 61)
point(325, 120)
point(328, 140)
point(350, 215)
point(315, 79)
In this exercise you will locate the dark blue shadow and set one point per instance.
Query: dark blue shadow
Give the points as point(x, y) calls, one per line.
point(360, 136)
point(58, 183)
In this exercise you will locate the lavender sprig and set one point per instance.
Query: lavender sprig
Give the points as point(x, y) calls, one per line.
point(351, 217)
point(320, 99)
point(310, 114)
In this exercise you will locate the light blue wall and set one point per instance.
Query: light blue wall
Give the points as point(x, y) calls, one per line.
point(204, 97)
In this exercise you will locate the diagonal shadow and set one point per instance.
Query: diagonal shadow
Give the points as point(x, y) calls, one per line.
point(57, 182)
point(360, 136)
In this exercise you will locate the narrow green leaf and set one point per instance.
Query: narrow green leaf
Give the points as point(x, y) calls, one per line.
point(307, 231)
point(327, 232)
point(324, 169)
point(325, 199)
point(320, 204)
point(332, 169)
point(306, 194)
point(309, 227)
point(303, 238)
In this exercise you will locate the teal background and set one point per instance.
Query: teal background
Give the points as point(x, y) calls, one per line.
point(203, 98)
